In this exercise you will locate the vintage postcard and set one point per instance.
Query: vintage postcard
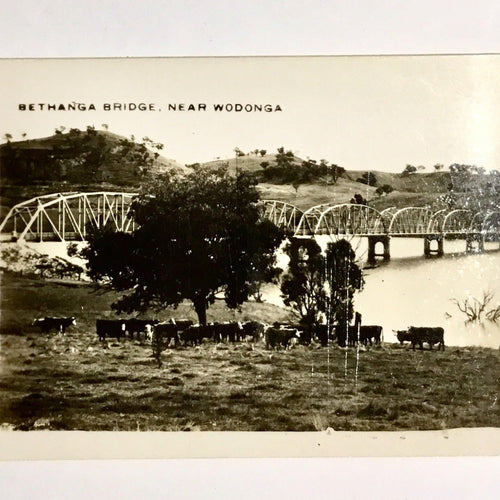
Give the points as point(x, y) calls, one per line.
point(289, 256)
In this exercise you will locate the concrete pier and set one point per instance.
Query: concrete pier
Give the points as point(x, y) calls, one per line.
point(372, 248)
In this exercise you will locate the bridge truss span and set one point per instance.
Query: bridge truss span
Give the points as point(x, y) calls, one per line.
point(457, 223)
point(490, 225)
point(282, 214)
point(309, 221)
point(68, 216)
point(351, 219)
point(410, 221)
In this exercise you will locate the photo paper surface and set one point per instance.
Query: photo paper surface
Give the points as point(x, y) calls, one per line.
point(298, 255)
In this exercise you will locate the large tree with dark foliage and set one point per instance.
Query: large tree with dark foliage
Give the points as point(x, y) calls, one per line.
point(344, 278)
point(197, 236)
point(302, 286)
point(319, 285)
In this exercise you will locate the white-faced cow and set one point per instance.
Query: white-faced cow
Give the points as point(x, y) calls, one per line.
point(138, 326)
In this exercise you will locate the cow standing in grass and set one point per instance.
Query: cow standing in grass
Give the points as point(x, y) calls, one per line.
point(253, 330)
point(370, 333)
point(59, 324)
point(138, 326)
point(277, 337)
point(169, 331)
point(418, 335)
point(195, 334)
point(110, 328)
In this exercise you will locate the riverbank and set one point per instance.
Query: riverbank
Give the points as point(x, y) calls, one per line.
point(75, 382)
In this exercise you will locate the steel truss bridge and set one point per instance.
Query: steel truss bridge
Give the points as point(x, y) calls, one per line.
point(67, 217)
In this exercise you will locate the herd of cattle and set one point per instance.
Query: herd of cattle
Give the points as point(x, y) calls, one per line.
point(279, 335)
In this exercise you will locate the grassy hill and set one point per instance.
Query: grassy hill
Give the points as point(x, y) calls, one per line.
point(75, 161)
point(435, 182)
point(417, 189)
point(248, 163)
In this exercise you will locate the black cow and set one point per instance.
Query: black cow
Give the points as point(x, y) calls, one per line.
point(354, 335)
point(281, 337)
point(324, 334)
point(253, 330)
point(195, 334)
point(182, 324)
point(231, 332)
point(365, 334)
point(419, 335)
point(138, 326)
point(370, 333)
point(60, 324)
point(168, 331)
point(110, 328)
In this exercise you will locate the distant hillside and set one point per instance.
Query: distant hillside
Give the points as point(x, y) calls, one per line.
point(416, 189)
point(94, 160)
point(80, 157)
point(248, 163)
point(436, 182)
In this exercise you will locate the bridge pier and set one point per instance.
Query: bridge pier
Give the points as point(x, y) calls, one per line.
point(428, 250)
point(474, 243)
point(372, 248)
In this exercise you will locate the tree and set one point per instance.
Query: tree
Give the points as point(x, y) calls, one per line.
point(334, 172)
point(263, 271)
point(385, 189)
point(302, 287)
point(344, 278)
point(409, 169)
point(7, 136)
point(358, 199)
point(196, 236)
point(368, 178)
point(262, 152)
point(472, 188)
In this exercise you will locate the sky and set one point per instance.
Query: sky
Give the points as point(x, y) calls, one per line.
point(364, 112)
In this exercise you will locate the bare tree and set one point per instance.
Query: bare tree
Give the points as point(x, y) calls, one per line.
point(474, 308)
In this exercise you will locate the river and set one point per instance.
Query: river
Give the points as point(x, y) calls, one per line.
point(412, 290)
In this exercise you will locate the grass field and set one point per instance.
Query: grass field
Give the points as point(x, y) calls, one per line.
point(73, 381)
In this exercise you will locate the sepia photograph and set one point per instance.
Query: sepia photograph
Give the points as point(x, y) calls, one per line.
point(263, 244)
